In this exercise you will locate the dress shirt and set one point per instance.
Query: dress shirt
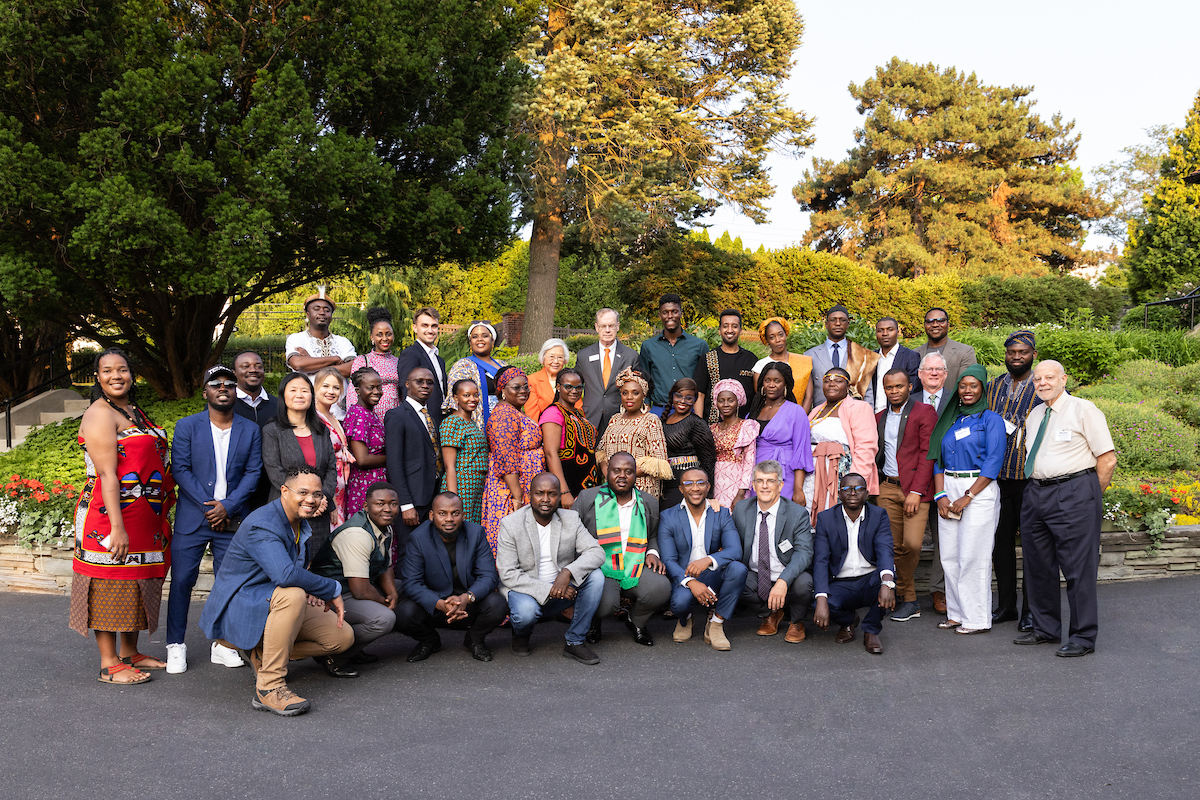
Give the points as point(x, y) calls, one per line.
point(856, 564)
point(421, 412)
point(249, 400)
point(547, 571)
point(773, 527)
point(1077, 433)
point(1013, 401)
point(625, 516)
point(980, 449)
point(843, 350)
point(667, 363)
point(432, 352)
point(891, 435)
point(221, 451)
point(699, 551)
point(885, 363)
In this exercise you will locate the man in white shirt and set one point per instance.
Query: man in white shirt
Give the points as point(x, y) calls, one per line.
point(315, 347)
point(853, 566)
point(892, 355)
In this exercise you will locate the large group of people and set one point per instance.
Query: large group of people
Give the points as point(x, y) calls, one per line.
point(679, 481)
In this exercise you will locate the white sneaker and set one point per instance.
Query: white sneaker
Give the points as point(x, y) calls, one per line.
point(176, 658)
point(220, 654)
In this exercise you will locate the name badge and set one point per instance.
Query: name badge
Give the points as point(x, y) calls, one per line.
point(962, 433)
point(785, 545)
point(1009, 427)
point(1062, 436)
point(594, 357)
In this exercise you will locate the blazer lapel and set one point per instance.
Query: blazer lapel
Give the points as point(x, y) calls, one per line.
point(903, 421)
point(782, 526)
point(235, 437)
point(555, 536)
point(710, 524)
point(868, 552)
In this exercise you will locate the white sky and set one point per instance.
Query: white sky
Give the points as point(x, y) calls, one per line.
point(1114, 68)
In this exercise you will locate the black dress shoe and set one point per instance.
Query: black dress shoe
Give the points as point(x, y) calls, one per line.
point(479, 650)
point(581, 653)
point(363, 657)
point(1003, 615)
point(593, 634)
point(520, 645)
point(1026, 623)
point(640, 635)
point(1033, 637)
point(334, 669)
point(424, 650)
point(1074, 650)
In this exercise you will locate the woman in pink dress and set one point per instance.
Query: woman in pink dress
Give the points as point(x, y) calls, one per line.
point(380, 359)
point(366, 435)
point(328, 382)
point(735, 439)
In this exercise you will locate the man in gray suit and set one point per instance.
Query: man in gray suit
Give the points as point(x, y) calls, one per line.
point(548, 562)
point(599, 364)
point(781, 572)
point(838, 351)
point(958, 356)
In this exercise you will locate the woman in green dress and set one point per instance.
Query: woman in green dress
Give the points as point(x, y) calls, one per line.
point(465, 450)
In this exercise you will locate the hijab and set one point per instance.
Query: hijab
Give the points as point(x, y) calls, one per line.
point(955, 408)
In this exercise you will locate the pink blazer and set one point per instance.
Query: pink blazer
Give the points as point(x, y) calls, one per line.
point(858, 421)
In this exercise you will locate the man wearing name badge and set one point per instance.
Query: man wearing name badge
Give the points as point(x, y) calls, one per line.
point(414, 456)
point(315, 347)
point(257, 405)
point(1012, 396)
point(955, 355)
point(892, 355)
point(216, 458)
point(935, 394)
point(423, 352)
point(1069, 459)
point(599, 364)
point(671, 355)
point(838, 351)
point(730, 360)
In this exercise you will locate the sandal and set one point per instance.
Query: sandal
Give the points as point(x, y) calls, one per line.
point(107, 673)
point(138, 658)
point(947, 624)
point(969, 631)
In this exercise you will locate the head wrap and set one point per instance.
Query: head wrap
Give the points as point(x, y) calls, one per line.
point(762, 327)
point(482, 323)
point(627, 374)
point(507, 376)
point(954, 409)
point(733, 387)
point(1022, 337)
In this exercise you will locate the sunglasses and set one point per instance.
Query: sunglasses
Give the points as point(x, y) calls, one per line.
point(221, 384)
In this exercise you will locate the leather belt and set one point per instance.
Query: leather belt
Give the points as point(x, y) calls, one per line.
point(969, 474)
point(1064, 478)
point(887, 479)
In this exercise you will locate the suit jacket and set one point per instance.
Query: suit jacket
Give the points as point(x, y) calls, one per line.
point(792, 525)
point(411, 459)
point(194, 467)
point(519, 551)
point(415, 356)
point(585, 507)
point(601, 401)
point(281, 452)
point(912, 446)
point(830, 546)
point(263, 555)
point(425, 573)
point(943, 397)
point(905, 359)
point(721, 540)
point(860, 365)
point(958, 357)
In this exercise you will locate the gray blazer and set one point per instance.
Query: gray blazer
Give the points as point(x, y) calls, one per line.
point(791, 525)
point(601, 401)
point(281, 452)
point(958, 357)
point(585, 506)
point(519, 551)
point(822, 363)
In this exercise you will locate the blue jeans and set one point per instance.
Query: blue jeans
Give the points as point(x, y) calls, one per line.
point(186, 552)
point(726, 581)
point(525, 611)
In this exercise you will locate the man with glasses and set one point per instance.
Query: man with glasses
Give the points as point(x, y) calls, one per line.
point(216, 458)
point(413, 456)
point(838, 351)
point(599, 365)
point(777, 550)
point(956, 355)
point(852, 565)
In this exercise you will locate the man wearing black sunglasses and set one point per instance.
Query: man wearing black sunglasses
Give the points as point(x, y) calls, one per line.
point(958, 356)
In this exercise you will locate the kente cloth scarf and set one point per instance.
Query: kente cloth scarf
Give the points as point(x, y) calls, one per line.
point(955, 409)
point(623, 565)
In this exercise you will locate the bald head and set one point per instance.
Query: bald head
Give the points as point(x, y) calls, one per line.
point(544, 496)
point(1049, 381)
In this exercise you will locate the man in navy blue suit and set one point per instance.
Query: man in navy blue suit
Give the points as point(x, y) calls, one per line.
point(893, 355)
point(411, 447)
point(849, 577)
point(423, 352)
point(216, 458)
point(450, 581)
point(702, 552)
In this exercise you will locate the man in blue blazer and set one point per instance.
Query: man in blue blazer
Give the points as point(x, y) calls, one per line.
point(424, 353)
point(849, 578)
point(450, 581)
point(777, 549)
point(892, 355)
point(259, 602)
point(216, 458)
point(702, 552)
point(413, 463)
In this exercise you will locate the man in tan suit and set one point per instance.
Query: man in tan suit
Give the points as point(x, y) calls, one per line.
point(958, 356)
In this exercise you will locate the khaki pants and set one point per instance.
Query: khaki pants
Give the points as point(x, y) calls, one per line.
point(907, 535)
point(296, 630)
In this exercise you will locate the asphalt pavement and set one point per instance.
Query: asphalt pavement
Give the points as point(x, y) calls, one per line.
point(937, 716)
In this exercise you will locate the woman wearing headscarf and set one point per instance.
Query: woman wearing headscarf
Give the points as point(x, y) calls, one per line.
point(735, 442)
point(638, 432)
point(773, 332)
point(783, 428)
point(967, 448)
point(516, 457)
point(480, 367)
point(844, 439)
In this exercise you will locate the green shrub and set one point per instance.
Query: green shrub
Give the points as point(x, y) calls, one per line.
point(1107, 390)
point(1176, 348)
point(577, 343)
point(1183, 408)
point(1187, 379)
point(1149, 440)
point(1019, 301)
point(1085, 355)
point(989, 347)
point(1146, 376)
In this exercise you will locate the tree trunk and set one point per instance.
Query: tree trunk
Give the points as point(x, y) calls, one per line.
point(25, 365)
point(545, 248)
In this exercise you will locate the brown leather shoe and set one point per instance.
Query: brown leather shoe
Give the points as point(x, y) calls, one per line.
point(939, 602)
point(770, 625)
point(795, 633)
point(872, 644)
point(845, 634)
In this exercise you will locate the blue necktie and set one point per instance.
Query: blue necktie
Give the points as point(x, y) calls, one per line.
point(837, 362)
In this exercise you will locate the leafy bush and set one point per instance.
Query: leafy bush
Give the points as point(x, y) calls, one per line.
point(1108, 390)
point(1086, 355)
point(1183, 408)
point(1187, 379)
point(577, 343)
point(1021, 301)
point(1149, 440)
point(1176, 348)
point(1159, 318)
point(989, 348)
point(1146, 376)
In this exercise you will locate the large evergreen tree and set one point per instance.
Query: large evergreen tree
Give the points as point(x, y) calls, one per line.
point(1163, 254)
point(644, 113)
point(164, 164)
point(950, 173)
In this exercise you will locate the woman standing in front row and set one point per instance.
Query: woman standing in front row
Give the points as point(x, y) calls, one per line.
point(122, 535)
point(568, 439)
point(515, 442)
point(783, 428)
point(735, 442)
point(844, 439)
point(482, 367)
point(967, 447)
point(689, 440)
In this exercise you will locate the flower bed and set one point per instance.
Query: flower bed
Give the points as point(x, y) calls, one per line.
point(37, 514)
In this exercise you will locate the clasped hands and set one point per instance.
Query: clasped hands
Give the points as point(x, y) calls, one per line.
point(454, 607)
point(562, 588)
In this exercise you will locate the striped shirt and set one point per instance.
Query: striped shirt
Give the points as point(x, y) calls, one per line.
point(1014, 406)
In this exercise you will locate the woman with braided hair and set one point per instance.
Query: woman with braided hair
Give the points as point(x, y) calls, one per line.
point(783, 428)
point(366, 435)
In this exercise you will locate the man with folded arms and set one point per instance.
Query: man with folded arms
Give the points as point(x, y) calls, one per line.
point(450, 581)
point(852, 565)
point(548, 562)
point(703, 555)
point(266, 602)
point(777, 549)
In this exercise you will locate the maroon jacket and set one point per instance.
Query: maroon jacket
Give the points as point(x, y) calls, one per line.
point(917, 421)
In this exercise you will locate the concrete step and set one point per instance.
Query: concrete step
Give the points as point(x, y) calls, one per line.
point(49, 417)
point(76, 407)
point(19, 434)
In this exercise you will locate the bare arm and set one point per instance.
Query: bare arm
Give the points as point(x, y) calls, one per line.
point(1106, 464)
point(363, 456)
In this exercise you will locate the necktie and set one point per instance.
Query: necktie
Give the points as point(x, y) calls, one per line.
point(1037, 443)
point(837, 362)
point(933, 400)
point(432, 436)
point(764, 558)
point(607, 367)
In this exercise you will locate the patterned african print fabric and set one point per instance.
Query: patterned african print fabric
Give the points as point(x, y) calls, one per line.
point(386, 365)
point(516, 448)
point(470, 463)
point(363, 426)
point(641, 437)
point(735, 460)
point(577, 446)
point(113, 605)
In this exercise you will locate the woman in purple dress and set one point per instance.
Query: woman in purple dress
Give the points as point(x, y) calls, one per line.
point(784, 431)
point(365, 432)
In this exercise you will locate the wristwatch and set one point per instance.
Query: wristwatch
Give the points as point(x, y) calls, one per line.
point(471, 596)
point(969, 494)
point(890, 584)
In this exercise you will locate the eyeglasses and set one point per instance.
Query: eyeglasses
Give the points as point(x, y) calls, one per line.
point(221, 384)
point(932, 369)
point(935, 321)
point(685, 399)
point(862, 489)
point(685, 484)
point(765, 481)
point(566, 387)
